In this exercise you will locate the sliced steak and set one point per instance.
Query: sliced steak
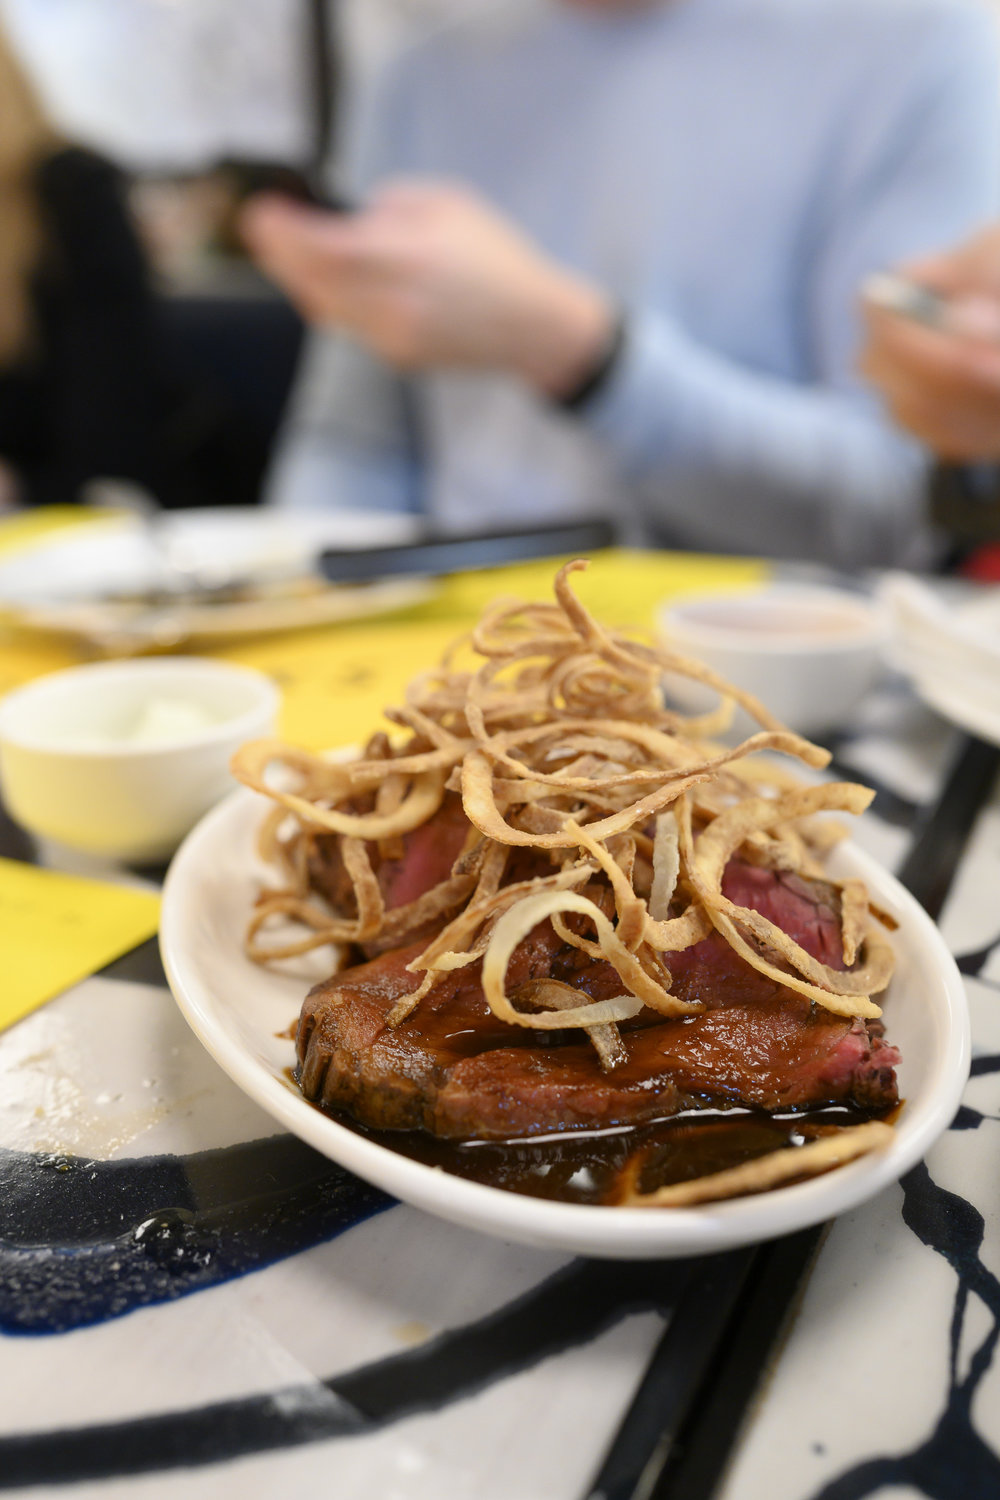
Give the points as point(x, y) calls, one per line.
point(808, 911)
point(427, 857)
point(425, 860)
point(453, 1069)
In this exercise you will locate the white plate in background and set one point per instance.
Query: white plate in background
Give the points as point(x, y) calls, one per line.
point(70, 579)
point(949, 648)
point(242, 1013)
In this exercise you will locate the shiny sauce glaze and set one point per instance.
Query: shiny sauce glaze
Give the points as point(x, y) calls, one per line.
point(595, 1167)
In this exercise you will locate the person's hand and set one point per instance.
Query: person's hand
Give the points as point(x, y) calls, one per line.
point(943, 384)
point(430, 276)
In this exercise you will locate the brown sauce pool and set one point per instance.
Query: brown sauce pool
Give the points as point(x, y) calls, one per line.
point(592, 1167)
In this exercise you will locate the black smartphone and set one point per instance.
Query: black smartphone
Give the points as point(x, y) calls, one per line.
point(246, 177)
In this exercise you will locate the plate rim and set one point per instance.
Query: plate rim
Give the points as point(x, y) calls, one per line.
point(620, 1233)
point(192, 620)
point(932, 684)
point(962, 713)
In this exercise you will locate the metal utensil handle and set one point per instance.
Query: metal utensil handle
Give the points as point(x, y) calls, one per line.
point(444, 554)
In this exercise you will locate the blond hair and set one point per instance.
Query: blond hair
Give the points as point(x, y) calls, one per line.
point(26, 138)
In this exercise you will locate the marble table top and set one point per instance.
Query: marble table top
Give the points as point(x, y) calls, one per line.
point(192, 1305)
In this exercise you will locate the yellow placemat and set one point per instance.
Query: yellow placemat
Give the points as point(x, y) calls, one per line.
point(335, 682)
point(27, 526)
point(58, 929)
point(621, 586)
point(336, 679)
point(24, 654)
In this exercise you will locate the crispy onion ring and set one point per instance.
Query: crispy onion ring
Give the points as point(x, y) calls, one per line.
point(515, 925)
point(250, 764)
point(768, 1171)
point(559, 742)
point(840, 1004)
point(666, 866)
point(723, 838)
point(606, 1039)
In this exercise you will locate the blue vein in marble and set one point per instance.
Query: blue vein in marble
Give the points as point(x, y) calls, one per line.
point(953, 1463)
point(570, 1308)
point(973, 964)
point(83, 1241)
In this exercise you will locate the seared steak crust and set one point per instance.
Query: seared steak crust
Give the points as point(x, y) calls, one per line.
point(454, 1070)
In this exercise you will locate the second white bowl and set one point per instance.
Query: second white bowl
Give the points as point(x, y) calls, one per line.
point(808, 653)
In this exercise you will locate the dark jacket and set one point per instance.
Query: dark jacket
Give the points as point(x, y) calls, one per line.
point(89, 399)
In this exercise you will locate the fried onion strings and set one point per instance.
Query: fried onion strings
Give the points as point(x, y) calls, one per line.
point(570, 766)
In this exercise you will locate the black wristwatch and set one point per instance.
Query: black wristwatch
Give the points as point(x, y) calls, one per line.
point(598, 377)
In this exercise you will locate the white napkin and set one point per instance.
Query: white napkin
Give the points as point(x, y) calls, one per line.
point(938, 643)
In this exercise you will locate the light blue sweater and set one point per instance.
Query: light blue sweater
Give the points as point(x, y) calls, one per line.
point(730, 170)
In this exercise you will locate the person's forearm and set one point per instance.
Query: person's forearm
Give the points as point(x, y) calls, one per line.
point(347, 440)
point(675, 415)
point(314, 472)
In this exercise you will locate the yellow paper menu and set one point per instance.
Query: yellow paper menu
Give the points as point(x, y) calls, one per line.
point(57, 929)
point(336, 680)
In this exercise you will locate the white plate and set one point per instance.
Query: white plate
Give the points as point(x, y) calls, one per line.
point(950, 650)
point(971, 701)
point(961, 706)
point(69, 580)
point(242, 1014)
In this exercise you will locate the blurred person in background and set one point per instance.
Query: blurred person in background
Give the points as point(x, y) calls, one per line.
point(936, 362)
point(941, 379)
point(608, 261)
point(162, 86)
point(165, 91)
point(79, 382)
point(168, 91)
point(172, 86)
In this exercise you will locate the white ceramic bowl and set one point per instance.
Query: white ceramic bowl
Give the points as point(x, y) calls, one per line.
point(808, 653)
point(71, 774)
point(243, 1012)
